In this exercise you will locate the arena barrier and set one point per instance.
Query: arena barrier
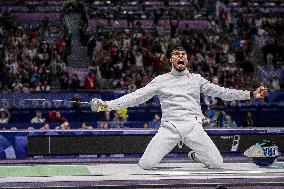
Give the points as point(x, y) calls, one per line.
point(81, 143)
point(46, 100)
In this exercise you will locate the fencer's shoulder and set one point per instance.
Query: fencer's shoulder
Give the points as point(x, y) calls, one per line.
point(197, 78)
point(162, 77)
point(196, 75)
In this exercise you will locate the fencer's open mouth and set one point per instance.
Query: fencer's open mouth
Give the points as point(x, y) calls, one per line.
point(180, 62)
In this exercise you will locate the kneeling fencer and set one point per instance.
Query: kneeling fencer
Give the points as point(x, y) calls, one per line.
point(179, 94)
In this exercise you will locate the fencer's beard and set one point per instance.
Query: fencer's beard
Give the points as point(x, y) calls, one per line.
point(179, 69)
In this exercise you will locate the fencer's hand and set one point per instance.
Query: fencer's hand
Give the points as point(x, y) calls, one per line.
point(98, 105)
point(260, 92)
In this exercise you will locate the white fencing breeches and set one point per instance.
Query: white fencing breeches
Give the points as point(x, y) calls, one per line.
point(169, 136)
point(205, 149)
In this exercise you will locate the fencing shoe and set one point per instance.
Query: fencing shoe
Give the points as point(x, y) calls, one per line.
point(193, 157)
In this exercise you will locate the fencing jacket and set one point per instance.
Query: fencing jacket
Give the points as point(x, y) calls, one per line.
point(179, 94)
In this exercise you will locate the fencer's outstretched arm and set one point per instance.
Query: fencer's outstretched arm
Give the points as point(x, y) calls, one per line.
point(130, 100)
point(210, 89)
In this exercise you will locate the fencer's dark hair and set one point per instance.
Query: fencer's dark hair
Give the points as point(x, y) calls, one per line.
point(177, 49)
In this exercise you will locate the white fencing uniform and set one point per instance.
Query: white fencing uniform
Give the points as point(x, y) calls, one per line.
point(179, 94)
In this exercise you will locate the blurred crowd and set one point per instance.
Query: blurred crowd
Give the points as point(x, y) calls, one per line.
point(133, 57)
point(215, 117)
point(261, 23)
point(31, 56)
point(129, 58)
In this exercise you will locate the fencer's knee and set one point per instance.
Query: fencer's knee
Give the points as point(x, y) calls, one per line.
point(217, 162)
point(146, 165)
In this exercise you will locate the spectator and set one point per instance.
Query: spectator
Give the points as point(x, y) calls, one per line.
point(45, 87)
point(122, 114)
point(211, 101)
point(104, 125)
point(174, 25)
point(45, 126)
point(38, 87)
point(57, 116)
point(117, 117)
point(118, 125)
point(107, 116)
point(4, 116)
point(215, 107)
point(17, 86)
point(65, 126)
point(132, 87)
point(231, 58)
point(206, 123)
point(156, 122)
point(248, 122)
point(138, 59)
point(75, 82)
point(275, 83)
point(228, 122)
point(38, 118)
point(219, 112)
point(26, 88)
point(90, 81)
point(85, 125)
point(146, 126)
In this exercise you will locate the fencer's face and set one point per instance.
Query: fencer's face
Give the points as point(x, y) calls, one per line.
point(179, 60)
